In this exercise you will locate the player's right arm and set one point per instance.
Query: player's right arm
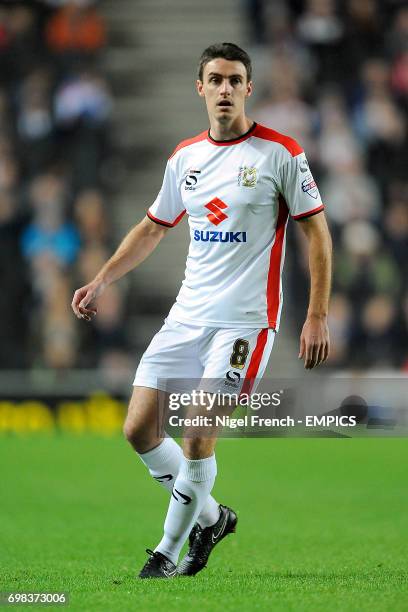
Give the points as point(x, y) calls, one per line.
point(134, 248)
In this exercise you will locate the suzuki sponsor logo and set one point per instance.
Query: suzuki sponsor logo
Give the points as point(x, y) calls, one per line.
point(216, 206)
point(213, 236)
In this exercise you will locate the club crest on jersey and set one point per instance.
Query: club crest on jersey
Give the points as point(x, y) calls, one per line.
point(247, 176)
point(191, 179)
point(309, 186)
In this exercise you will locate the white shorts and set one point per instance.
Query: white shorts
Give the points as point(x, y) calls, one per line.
point(211, 358)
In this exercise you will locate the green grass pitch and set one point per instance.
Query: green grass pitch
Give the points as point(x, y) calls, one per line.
point(322, 525)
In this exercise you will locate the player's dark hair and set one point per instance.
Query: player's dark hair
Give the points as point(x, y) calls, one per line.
point(227, 51)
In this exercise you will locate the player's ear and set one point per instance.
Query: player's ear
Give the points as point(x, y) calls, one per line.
point(200, 86)
point(249, 88)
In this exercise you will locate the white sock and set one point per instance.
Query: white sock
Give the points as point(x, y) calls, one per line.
point(191, 489)
point(163, 463)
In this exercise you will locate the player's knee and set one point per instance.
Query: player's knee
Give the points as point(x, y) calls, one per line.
point(132, 430)
point(139, 435)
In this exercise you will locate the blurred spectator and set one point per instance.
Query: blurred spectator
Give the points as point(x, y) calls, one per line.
point(90, 261)
point(363, 266)
point(4, 35)
point(376, 108)
point(20, 41)
point(90, 217)
point(82, 109)
point(35, 126)
point(49, 233)
point(9, 172)
point(375, 341)
point(397, 37)
point(59, 334)
point(396, 232)
point(399, 76)
point(364, 34)
point(270, 21)
point(321, 29)
point(341, 326)
point(108, 325)
point(106, 335)
point(339, 149)
point(76, 30)
point(351, 194)
point(380, 123)
point(83, 96)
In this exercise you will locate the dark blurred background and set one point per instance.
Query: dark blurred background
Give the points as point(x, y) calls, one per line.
point(93, 98)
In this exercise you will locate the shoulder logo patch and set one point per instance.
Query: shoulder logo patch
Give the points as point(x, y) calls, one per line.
point(304, 166)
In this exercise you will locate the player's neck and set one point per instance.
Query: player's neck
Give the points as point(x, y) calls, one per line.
point(230, 131)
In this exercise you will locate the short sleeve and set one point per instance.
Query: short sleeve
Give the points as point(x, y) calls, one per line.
point(299, 188)
point(168, 207)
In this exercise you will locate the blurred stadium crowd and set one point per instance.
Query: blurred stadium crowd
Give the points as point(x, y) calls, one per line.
point(55, 107)
point(333, 75)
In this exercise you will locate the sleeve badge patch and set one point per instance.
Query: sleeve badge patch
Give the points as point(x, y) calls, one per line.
point(309, 186)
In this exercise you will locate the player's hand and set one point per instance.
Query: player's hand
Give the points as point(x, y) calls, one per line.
point(83, 298)
point(314, 341)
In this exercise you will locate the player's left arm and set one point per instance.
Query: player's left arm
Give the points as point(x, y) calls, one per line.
point(314, 339)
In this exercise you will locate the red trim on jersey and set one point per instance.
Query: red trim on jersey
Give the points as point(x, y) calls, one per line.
point(289, 143)
point(259, 131)
point(189, 141)
point(274, 273)
point(234, 141)
point(309, 213)
point(255, 362)
point(165, 223)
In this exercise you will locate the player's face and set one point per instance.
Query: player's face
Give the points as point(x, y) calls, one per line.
point(225, 88)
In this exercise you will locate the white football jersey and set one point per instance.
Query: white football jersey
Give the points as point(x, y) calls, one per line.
point(238, 195)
